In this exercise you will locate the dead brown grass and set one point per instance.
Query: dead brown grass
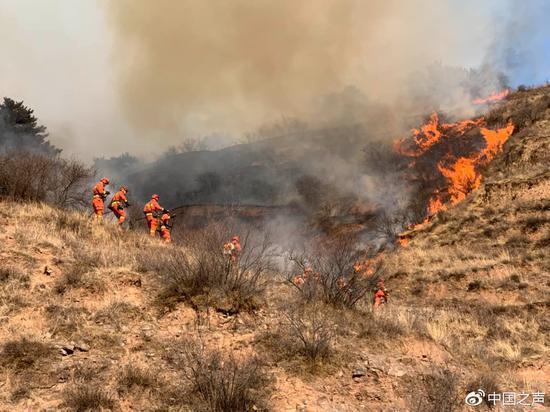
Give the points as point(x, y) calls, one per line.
point(25, 353)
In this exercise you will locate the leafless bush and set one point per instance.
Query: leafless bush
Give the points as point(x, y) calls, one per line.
point(310, 330)
point(328, 273)
point(439, 392)
point(88, 397)
point(224, 384)
point(202, 273)
point(38, 177)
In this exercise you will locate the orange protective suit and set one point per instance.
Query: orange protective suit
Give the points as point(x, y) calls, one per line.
point(99, 195)
point(381, 295)
point(118, 203)
point(165, 228)
point(149, 209)
point(232, 249)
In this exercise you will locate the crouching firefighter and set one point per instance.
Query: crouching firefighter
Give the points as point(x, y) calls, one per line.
point(118, 203)
point(166, 227)
point(99, 196)
point(151, 211)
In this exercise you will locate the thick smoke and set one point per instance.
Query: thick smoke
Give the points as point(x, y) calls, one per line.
point(199, 66)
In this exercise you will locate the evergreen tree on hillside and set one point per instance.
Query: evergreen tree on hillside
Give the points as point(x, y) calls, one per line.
point(19, 130)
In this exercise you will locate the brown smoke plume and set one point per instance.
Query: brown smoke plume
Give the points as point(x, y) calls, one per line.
point(204, 65)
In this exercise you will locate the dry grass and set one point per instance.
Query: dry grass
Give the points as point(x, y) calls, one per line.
point(88, 397)
point(66, 321)
point(132, 377)
point(14, 284)
point(439, 391)
point(78, 277)
point(24, 353)
point(117, 314)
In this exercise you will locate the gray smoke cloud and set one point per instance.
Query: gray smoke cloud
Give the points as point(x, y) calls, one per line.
point(216, 65)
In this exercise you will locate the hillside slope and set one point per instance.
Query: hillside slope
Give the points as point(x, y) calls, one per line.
point(468, 309)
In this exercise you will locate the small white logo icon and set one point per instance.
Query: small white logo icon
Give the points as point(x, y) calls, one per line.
point(475, 398)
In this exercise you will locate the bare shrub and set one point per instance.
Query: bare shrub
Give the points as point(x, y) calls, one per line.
point(333, 277)
point(222, 383)
point(24, 353)
point(438, 392)
point(38, 177)
point(133, 377)
point(201, 273)
point(310, 330)
point(74, 223)
point(88, 397)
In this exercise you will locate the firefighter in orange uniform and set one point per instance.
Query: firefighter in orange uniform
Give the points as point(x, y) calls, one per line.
point(380, 295)
point(99, 196)
point(118, 203)
point(151, 210)
point(232, 249)
point(165, 227)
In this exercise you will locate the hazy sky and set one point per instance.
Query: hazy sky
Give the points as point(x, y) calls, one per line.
point(112, 76)
point(57, 57)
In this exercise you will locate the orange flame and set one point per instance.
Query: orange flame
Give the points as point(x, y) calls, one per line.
point(461, 173)
point(435, 204)
point(462, 176)
point(495, 139)
point(403, 242)
point(495, 97)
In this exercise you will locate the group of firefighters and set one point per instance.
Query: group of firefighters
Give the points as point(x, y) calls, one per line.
point(156, 216)
point(158, 219)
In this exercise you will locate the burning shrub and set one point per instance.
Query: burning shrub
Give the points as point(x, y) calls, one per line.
point(203, 275)
point(332, 272)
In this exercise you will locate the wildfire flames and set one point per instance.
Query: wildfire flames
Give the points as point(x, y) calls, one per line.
point(452, 156)
point(495, 97)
